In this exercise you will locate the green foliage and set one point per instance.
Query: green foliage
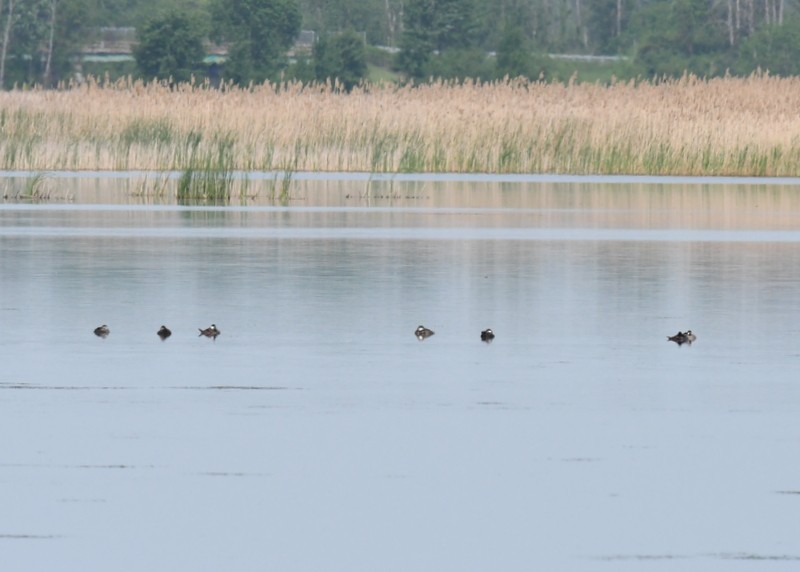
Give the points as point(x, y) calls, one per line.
point(454, 24)
point(135, 13)
point(462, 63)
point(124, 12)
point(259, 33)
point(693, 29)
point(44, 39)
point(28, 32)
point(341, 57)
point(436, 37)
point(302, 70)
point(381, 75)
point(74, 24)
point(677, 37)
point(589, 72)
point(449, 27)
point(170, 47)
point(775, 49)
point(373, 17)
point(379, 57)
point(513, 54)
point(416, 43)
point(605, 26)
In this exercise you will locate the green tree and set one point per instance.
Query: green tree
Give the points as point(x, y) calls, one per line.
point(441, 25)
point(607, 21)
point(678, 36)
point(341, 57)
point(513, 53)
point(170, 46)
point(25, 32)
point(9, 18)
point(40, 39)
point(120, 13)
point(374, 17)
point(463, 63)
point(416, 42)
point(454, 24)
point(259, 32)
point(689, 25)
point(772, 48)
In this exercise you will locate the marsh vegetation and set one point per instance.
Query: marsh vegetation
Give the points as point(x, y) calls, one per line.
point(723, 126)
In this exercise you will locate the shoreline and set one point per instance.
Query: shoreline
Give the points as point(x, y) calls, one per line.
point(359, 176)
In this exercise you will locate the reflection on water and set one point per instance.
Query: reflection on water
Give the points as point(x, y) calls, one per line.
point(605, 202)
point(317, 432)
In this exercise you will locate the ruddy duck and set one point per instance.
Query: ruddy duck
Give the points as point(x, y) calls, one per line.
point(164, 332)
point(487, 335)
point(680, 338)
point(422, 332)
point(102, 331)
point(210, 332)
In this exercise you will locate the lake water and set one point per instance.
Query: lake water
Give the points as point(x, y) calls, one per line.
point(317, 433)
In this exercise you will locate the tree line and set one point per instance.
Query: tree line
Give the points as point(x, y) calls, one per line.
point(40, 40)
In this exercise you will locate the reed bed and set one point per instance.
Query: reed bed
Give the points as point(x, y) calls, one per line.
point(690, 126)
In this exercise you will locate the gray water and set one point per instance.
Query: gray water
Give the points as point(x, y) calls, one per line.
point(317, 433)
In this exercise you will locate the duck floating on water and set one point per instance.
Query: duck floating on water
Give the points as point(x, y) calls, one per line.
point(487, 335)
point(681, 338)
point(209, 332)
point(422, 332)
point(102, 331)
point(164, 332)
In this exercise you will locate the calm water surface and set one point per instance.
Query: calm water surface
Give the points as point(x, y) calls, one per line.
point(317, 433)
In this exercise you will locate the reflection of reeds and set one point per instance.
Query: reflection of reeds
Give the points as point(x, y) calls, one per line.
point(35, 188)
point(208, 175)
point(729, 126)
point(150, 186)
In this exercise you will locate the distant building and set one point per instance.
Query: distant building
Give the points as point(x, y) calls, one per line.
point(112, 41)
point(112, 51)
point(116, 45)
point(305, 42)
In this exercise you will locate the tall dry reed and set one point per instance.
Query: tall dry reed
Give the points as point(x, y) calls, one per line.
point(725, 126)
